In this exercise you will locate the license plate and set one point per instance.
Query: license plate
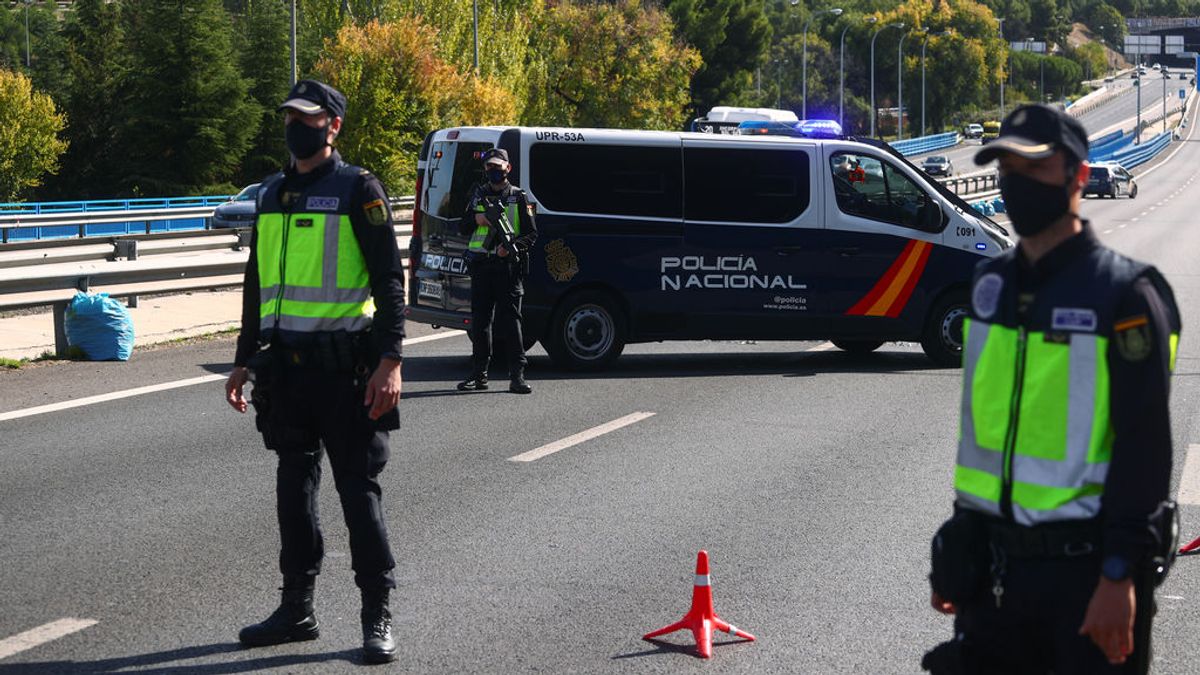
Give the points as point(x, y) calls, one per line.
point(430, 289)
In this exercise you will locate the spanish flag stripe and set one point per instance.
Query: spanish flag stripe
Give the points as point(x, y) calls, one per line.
point(881, 286)
point(881, 306)
point(906, 292)
point(1131, 323)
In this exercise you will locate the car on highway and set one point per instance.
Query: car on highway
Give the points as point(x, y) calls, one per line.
point(1109, 179)
point(239, 211)
point(973, 131)
point(938, 165)
point(692, 236)
point(991, 131)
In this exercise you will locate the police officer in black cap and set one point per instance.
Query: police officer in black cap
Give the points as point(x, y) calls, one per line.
point(322, 327)
point(1062, 524)
point(499, 220)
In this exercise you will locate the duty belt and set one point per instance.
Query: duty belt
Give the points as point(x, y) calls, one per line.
point(1056, 540)
point(330, 352)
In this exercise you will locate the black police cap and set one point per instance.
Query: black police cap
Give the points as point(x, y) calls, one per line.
point(310, 96)
point(495, 153)
point(1037, 131)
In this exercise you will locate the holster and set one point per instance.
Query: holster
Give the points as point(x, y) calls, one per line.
point(264, 369)
point(946, 659)
point(1165, 523)
point(960, 558)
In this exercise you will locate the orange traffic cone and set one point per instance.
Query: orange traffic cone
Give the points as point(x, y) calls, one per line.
point(1191, 547)
point(701, 619)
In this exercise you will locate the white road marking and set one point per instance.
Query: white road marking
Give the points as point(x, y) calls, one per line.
point(1108, 231)
point(1189, 480)
point(1133, 220)
point(1121, 226)
point(138, 391)
point(576, 439)
point(41, 635)
point(823, 347)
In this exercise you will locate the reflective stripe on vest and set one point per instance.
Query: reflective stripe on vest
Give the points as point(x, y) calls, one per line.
point(1060, 454)
point(480, 235)
point(312, 274)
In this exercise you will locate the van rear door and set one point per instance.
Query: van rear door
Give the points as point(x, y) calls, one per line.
point(452, 171)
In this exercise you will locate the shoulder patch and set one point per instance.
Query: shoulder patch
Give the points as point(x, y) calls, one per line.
point(376, 212)
point(985, 298)
point(1133, 338)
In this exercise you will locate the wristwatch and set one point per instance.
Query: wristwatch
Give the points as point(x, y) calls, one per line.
point(1115, 568)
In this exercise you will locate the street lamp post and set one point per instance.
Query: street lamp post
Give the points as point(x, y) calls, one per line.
point(804, 56)
point(876, 35)
point(293, 39)
point(1001, 29)
point(27, 61)
point(900, 85)
point(475, 27)
point(842, 75)
point(925, 43)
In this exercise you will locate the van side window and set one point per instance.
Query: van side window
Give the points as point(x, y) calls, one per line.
point(613, 180)
point(867, 187)
point(745, 185)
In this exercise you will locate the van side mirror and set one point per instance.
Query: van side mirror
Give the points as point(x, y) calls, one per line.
point(931, 217)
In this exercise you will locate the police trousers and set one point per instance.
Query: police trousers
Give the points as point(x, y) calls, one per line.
point(496, 292)
point(316, 413)
point(1036, 628)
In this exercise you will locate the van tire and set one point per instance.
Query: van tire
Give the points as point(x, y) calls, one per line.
point(943, 336)
point(857, 346)
point(587, 332)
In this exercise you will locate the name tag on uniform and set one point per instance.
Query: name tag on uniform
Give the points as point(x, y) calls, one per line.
point(1073, 319)
point(322, 204)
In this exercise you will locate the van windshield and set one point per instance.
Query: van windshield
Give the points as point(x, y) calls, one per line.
point(454, 169)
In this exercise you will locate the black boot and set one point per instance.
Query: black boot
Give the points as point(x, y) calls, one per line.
point(518, 385)
point(378, 645)
point(292, 621)
point(477, 382)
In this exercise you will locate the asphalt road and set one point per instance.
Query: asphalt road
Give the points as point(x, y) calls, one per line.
point(813, 478)
point(1123, 106)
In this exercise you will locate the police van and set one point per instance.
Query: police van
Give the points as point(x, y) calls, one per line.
point(649, 236)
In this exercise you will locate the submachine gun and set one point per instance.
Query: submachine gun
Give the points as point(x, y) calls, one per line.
point(501, 229)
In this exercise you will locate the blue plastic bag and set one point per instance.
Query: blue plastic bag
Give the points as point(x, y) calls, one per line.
point(100, 327)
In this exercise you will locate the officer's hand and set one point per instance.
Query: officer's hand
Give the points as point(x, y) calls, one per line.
point(1109, 619)
point(942, 605)
point(233, 388)
point(481, 220)
point(502, 251)
point(383, 389)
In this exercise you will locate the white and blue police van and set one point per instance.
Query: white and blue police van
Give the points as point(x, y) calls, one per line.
point(649, 236)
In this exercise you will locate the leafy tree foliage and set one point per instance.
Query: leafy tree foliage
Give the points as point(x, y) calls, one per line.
point(187, 119)
point(29, 135)
point(733, 38)
point(263, 40)
point(613, 65)
point(1108, 23)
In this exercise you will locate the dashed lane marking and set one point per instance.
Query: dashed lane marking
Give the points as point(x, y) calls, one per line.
point(583, 436)
point(138, 391)
point(1189, 481)
point(1109, 231)
point(41, 635)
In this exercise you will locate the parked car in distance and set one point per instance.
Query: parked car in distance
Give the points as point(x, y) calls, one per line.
point(938, 165)
point(1110, 179)
point(237, 212)
point(1109, 78)
point(973, 131)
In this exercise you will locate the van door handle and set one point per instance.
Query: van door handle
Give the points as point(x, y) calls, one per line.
point(788, 250)
point(846, 251)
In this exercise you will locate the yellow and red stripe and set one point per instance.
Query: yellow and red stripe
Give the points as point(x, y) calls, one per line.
point(891, 293)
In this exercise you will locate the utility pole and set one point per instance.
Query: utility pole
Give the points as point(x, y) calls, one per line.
point(877, 32)
point(27, 60)
point(475, 24)
point(804, 57)
point(293, 41)
point(842, 76)
point(1009, 49)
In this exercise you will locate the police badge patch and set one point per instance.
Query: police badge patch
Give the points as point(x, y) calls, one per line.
point(1132, 336)
point(376, 212)
point(560, 261)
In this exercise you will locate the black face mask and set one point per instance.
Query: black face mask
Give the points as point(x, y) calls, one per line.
point(496, 176)
point(1031, 204)
point(304, 141)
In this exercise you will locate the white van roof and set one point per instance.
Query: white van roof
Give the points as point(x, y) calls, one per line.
point(725, 113)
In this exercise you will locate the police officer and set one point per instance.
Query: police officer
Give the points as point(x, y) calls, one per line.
point(326, 361)
point(499, 261)
point(1064, 456)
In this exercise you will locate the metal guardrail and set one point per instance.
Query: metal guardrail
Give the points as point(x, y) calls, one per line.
point(972, 183)
point(915, 146)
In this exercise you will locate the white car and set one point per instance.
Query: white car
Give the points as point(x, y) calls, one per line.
point(974, 131)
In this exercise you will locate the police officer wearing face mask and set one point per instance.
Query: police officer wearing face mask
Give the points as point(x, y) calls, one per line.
point(322, 327)
point(499, 221)
point(1062, 526)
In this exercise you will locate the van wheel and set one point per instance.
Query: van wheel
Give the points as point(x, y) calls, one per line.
point(857, 346)
point(943, 336)
point(587, 333)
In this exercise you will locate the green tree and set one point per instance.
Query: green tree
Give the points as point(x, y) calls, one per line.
point(47, 69)
point(613, 65)
point(96, 60)
point(187, 118)
point(398, 90)
point(1109, 24)
point(1091, 58)
point(29, 143)
point(733, 38)
point(265, 46)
